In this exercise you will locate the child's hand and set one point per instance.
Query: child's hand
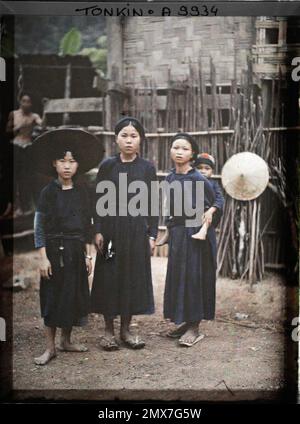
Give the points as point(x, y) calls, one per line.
point(152, 245)
point(89, 265)
point(45, 268)
point(99, 241)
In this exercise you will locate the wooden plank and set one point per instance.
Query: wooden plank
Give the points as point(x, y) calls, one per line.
point(266, 24)
point(269, 69)
point(171, 134)
point(275, 266)
point(18, 235)
point(74, 105)
point(200, 133)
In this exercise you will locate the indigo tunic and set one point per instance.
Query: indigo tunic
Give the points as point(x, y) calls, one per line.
point(191, 273)
point(63, 226)
point(122, 285)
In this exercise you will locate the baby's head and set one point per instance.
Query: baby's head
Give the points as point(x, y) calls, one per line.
point(206, 164)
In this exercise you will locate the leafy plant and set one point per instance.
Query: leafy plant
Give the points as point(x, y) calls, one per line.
point(102, 42)
point(98, 55)
point(98, 58)
point(70, 43)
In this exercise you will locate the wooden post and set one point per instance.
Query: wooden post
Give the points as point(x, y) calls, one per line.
point(67, 94)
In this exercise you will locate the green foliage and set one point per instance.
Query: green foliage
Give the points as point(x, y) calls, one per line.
point(98, 55)
point(98, 58)
point(70, 43)
point(102, 42)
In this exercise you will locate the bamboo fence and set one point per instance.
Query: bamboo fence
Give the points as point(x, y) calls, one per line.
point(250, 235)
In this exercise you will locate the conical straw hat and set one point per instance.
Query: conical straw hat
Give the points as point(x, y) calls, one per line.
point(245, 176)
point(87, 148)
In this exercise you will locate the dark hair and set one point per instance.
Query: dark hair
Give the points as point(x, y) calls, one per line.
point(129, 120)
point(60, 155)
point(190, 139)
point(23, 94)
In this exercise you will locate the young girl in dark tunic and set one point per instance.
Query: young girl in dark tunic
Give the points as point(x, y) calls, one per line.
point(191, 274)
point(63, 238)
point(122, 284)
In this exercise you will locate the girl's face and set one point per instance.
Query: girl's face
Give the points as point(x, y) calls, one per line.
point(205, 170)
point(181, 151)
point(66, 167)
point(128, 140)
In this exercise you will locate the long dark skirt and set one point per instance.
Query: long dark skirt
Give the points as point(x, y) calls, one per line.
point(65, 296)
point(191, 277)
point(123, 285)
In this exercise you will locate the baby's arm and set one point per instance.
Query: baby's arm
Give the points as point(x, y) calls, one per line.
point(40, 242)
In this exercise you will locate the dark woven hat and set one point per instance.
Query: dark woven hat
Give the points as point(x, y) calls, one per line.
point(84, 146)
point(129, 120)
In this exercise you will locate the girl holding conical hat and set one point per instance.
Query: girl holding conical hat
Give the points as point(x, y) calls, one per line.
point(62, 231)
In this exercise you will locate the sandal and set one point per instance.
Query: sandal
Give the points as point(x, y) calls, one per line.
point(196, 340)
point(109, 344)
point(178, 332)
point(134, 343)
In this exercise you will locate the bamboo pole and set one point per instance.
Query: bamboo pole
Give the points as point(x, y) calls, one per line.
point(67, 94)
point(252, 246)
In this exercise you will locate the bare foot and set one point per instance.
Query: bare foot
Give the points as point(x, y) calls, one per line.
point(70, 347)
point(45, 357)
point(131, 340)
point(190, 335)
point(201, 234)
point(109, 343)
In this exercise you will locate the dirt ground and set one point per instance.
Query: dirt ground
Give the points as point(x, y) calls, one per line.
point(236, 360)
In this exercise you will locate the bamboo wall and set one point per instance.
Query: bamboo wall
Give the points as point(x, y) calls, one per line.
point(153, 45)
